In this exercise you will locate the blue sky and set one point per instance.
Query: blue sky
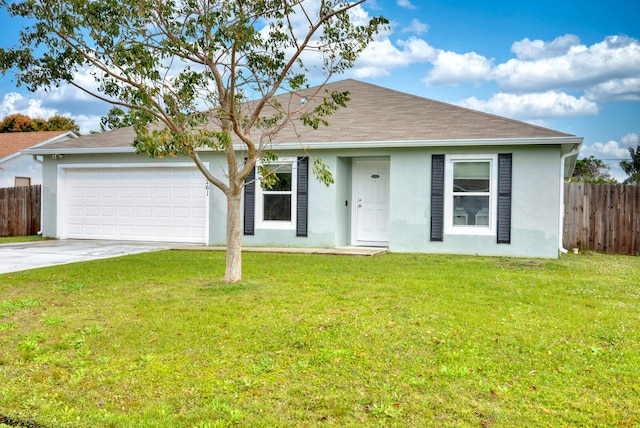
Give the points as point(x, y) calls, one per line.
point(573, 66)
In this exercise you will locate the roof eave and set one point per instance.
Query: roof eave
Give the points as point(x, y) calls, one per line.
point(78, 151)
point(66, 135)
point(567, 143)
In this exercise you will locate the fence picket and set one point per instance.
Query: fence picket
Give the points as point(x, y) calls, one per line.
point(602, 217)
point(20, 210)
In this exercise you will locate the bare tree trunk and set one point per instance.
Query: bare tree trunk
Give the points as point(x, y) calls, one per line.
point(233, 272)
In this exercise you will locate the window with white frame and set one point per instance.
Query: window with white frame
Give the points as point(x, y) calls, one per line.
point(470, 194)
point(22, 181)
point(276, 201)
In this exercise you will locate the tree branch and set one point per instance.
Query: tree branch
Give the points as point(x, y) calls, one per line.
point(294, 58)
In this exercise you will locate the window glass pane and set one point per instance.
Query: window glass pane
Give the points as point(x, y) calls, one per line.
point(471, 210)
point(277, 207)
point(471, 176)
point(22, 181)
point(284, 175)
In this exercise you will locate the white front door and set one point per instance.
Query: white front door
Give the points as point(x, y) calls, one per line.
point(371, 202)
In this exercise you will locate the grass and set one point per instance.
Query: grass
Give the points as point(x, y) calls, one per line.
point(14, 239)
point(153, 340)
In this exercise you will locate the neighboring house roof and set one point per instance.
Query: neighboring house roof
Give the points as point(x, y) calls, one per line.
point(12, 143)
point(374, 116)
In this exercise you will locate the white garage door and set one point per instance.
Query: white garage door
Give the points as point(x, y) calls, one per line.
point(134, 203)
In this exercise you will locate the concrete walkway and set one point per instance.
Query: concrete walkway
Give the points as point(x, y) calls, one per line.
point(31, 255)
point(339, 251)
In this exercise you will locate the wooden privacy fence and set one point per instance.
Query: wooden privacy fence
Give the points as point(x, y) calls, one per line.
point(20, 210)
point(602, 217)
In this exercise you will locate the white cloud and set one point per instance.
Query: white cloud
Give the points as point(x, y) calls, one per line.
point(527, 50)
point(540, 68)
point(368, 65)
point(416, 27)
point(605, 72)
point(450, 68)
point(612, 149)
point(615, 90)
point(406, 4)
point(357, 15)
point(609, 150)
point(381, 56)
point(88, 123)
point(14, 102)
point(631, 140)
point(533, 106)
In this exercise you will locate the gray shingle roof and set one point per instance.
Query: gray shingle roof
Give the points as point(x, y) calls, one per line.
point(374, 114)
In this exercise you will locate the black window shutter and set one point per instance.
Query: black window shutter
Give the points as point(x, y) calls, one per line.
point(437, 197)
point(302, 197)
point(504, 198)
point(250, 203)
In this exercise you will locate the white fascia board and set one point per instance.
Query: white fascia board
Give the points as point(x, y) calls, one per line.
point(564, 141)
point(567, 143)
point(11, 156)
point(79, 151)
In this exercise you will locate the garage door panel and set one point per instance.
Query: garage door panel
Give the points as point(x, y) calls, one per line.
point(156, 204)
point(162, 212)
point(162, 192)
point(108, 212)
point(76, 229)
point(127, 212)
point(181, 213)
point(76, 192)
point(126, 192)
point(144, 212)
point(91, 229)
point(198, 213)
point(162, 231)
point(88, 211)
point(109, 230)
point(181, 231)
point(90, 192)
point(126, 230)
point(144, 192)
point(109, 192)
point(144, 231)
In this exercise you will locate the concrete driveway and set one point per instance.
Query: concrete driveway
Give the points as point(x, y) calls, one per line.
point(30, 255)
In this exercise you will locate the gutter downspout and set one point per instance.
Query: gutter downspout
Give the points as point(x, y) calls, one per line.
point(41, 162)
point(561, 214)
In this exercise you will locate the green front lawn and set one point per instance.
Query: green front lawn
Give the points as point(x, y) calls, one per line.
point(14, 239)
point(153, 340)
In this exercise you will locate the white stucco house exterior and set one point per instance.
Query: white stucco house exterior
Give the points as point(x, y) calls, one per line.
point(411, 174)
point(18, 169)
